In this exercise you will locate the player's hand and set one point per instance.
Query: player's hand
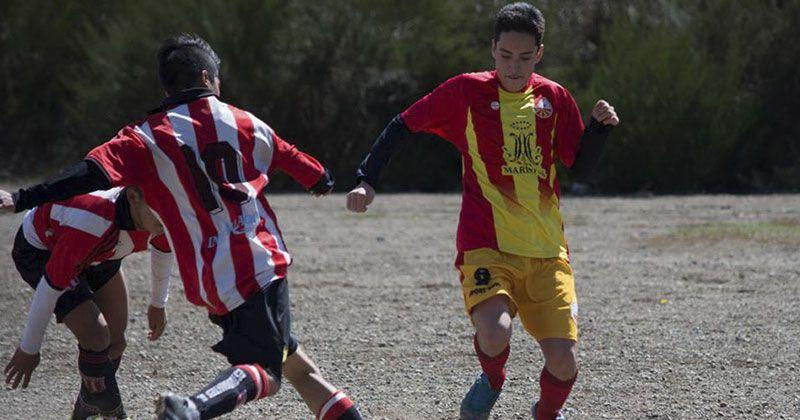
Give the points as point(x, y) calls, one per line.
point(6, 202)
point(20, 368)
point(156, 321)
point(360, 197)
point(605, 113)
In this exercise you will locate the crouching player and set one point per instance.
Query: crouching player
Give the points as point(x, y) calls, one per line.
point(510, 125)
point(70, 252)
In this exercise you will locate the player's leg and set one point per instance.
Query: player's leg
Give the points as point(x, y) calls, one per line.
point(492, 320)
point(110, 298)
point(255, 341)
point(558, 376)
point(321, 397)
point(99, 392)
point(549, 313)
point(486, 286)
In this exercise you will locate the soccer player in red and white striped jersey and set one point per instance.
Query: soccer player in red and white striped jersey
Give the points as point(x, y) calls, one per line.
point(203, 166)
point(70, 253)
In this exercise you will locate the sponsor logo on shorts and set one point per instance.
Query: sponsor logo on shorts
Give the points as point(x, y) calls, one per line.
point(481, 290)
point(494, 105)
point(482, 276)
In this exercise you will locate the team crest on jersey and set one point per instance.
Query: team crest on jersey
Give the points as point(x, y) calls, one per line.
point(524, 156)
point(494, 105)
point(543, 107)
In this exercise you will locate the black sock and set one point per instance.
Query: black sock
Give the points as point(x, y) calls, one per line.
point(231, 388)
point(99, 388)
point(115, 364)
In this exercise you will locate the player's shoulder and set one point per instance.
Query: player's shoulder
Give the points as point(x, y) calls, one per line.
point(475, 79)
point(243, 115)
point(543, 84)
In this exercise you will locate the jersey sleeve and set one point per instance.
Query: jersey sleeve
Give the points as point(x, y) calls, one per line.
point(434, 112)
point(69, 257)
point(123, 158)
point(302, 167)
point(569, 128)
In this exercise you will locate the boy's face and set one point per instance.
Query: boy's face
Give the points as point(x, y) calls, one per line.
point(515, 56)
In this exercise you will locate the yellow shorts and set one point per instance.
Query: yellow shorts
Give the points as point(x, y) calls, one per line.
point(541, 290)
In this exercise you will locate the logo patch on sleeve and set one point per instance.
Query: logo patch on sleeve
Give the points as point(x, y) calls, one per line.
point(543, 107)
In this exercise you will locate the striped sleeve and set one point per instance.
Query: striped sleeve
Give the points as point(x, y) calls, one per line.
point(123, 159)
point(302, 167)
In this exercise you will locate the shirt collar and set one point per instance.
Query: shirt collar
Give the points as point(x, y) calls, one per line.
point(182, 97)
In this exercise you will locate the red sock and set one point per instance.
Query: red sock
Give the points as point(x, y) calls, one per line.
point(338, 407)
point(554, 392)
point(493, 367)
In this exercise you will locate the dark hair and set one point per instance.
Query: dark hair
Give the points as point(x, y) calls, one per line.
point(520, 17)
point(181, 61)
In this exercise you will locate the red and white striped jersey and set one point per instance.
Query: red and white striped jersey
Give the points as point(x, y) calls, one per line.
point(83, 231)
point(203, 167)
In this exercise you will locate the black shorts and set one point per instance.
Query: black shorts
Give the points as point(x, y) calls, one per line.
point(259, 330)
point(31, 262)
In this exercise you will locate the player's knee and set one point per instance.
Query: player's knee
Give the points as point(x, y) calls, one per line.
point(95, 339)
point(493, 334)
point(118, 345)
point(562, 364)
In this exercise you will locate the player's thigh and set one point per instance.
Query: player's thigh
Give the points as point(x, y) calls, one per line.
point(88, 325)
point(259, 330)
point(112, 299)
point(493, 316)
point(549, 306)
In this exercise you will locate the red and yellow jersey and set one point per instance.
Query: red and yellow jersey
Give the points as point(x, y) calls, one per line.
point(509, 143)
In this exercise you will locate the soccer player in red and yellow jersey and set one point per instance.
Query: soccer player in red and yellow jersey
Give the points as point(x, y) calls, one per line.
point(510, 126)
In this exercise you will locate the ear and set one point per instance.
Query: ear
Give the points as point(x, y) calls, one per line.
point(494, 48)
point(539, 54)
point(207, 79)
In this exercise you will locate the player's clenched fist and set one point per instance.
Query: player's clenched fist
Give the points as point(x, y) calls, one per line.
point(6, 202)
point(605, 113)
point(360, 197)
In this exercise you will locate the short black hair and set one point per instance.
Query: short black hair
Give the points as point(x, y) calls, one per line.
point(520, 17)
point(182, 59)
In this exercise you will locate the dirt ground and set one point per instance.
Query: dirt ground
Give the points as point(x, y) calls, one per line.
point(688, 309)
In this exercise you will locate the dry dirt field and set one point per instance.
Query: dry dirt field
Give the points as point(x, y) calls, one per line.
point(688, 309)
